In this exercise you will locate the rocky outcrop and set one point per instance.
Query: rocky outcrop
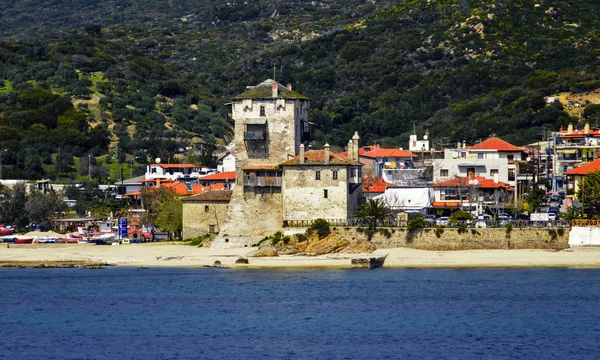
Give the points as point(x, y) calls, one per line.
point(311, 245)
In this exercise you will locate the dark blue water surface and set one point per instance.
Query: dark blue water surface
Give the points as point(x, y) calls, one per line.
point(123, 313)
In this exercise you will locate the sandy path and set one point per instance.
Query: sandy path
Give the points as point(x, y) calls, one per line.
point(156, 255)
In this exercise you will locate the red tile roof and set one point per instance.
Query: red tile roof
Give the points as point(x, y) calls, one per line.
point(317, 157)
point(585, 169)
point(482, 183)
point(223, 176)
point(375, 185)
point(495, 143)
point(376, 151)
point(181, 189)
point(222, 195)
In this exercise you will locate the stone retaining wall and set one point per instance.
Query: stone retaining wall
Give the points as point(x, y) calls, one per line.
point(469, 239)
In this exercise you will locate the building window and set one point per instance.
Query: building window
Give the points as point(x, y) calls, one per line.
point(335, 175)
point(317, 175)
point(444, 172)
point(510, 157)
point(480, 156)
point(493, 171)
point(353, 172)
point(511, 174)
point(471, 171)
point(205, 208)
point(262, 110)
point(325, 194)
point(211, 229)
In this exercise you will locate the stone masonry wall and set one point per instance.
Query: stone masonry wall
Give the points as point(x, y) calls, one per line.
point(197, 221)
point(303, 195)
point(471, 239)
point(250, 217)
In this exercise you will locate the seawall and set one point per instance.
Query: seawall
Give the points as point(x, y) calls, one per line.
point(444, 239)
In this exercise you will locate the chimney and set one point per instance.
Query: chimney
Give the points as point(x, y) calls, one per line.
point(464, 146)
point(355, 139)
point(570, 129)
point(289, 87)
point(350, 152)
point(458, 145)
point(586, 129)
point(326, 153)
point(274, 89)
point(301, 153)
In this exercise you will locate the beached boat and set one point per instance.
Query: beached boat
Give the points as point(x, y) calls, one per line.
point(46, 240)
point(6, 231)
point(23, 240)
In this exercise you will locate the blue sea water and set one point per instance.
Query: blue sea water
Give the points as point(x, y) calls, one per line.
point(126, 313)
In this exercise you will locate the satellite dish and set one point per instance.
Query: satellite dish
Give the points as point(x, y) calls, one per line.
point(157, 160)
point(425, 137)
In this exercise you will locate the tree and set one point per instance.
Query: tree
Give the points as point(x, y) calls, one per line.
point(372, 211)
point(152, 198)
point(41, 208)
point(12, 206)
point(589, 195)
point(170, 216)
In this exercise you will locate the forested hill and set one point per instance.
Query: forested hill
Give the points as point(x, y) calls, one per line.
point(154, 75)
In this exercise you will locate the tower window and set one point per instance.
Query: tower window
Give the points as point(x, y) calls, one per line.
point(317, 175)
point(335, 175)
point(325, 193)
point(262, 110)
point(205, 208)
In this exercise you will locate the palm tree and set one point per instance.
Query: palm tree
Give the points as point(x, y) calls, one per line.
point(372, 211)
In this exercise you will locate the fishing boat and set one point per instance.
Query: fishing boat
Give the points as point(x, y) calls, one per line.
point(46, 240)
point(23, 240)
point(6, 230)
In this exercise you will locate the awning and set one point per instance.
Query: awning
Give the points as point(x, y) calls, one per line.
point(259, 121)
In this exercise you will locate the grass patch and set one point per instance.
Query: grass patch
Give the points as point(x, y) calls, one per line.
point(95, 78)
point(8, 87)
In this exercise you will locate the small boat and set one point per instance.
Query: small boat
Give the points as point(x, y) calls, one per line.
point(23, 240)
point(6, 231)
point(46, 240)
point(371, 263)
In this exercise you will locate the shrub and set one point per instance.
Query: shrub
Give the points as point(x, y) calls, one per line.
point(415, 221)
point(196, 241)
point(462, 228)
point(321, 226)
point(560, 232)
point(509, 228)
point(460, 216)
point(301, 238)
point(439, 230)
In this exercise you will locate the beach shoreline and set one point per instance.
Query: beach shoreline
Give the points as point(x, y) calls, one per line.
point(176, 255)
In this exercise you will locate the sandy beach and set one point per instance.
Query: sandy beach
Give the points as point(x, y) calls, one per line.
point(174, 255)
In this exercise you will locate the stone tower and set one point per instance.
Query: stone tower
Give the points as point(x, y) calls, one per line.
point(271, 121)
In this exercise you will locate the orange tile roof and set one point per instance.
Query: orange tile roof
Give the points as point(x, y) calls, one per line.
point(585, 169)
point(376, 151)
point(495, 143)
point(228, 175)
point(482, 183)
point(181, 189)
point(317, 157)
point(222, 195)
point(377, 185)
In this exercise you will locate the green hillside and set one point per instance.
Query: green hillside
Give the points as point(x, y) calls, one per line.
point(153, 79)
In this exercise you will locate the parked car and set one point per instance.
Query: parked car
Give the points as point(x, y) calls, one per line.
point(443, 221)
point(553, 209)
point(552, 216)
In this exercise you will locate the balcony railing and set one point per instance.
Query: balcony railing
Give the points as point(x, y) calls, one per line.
point(255, 136)
point(274, 181)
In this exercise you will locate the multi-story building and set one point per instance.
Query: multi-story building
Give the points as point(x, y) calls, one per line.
point(573, 147)
point(493, 159)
